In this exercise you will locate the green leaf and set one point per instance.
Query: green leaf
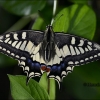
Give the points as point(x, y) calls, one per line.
point(39, 24)
point(48, 85)
point(23, 7)
point(80, 1)
point(33, 91)
point(44, 81)
point(77, 19)
point(61, 21)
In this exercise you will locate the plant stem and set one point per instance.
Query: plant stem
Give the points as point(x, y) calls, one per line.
point(54, 10)
point(52, 89)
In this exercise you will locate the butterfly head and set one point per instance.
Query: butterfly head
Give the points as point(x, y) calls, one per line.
point(49, 32)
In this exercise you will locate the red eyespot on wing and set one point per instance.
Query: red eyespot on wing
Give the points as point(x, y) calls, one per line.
point(43, 67)
point(47, 69)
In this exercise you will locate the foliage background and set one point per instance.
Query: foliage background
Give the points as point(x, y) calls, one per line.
point(72, 86)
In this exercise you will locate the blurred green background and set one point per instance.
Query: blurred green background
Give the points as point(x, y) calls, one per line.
point(21, 16)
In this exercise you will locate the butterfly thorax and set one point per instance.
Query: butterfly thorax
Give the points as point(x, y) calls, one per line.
point(48, 45)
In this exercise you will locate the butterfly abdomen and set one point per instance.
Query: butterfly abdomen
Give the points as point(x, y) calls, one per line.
point(47, 50)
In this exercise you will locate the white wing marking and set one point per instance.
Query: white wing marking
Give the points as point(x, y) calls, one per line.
point(18, 45)
point(76, 62)
point(22, 63)
point(91, 57)
point(62, 53)
point(0, 47)
point(89, 48)
point(73, 40)
point(17, 56)
point(22, 47)
point(72, 50)
point(77, 51)
point(66, 50)
point(14, 43)
point(8, 51)
point(70, 62)
point(37, 57)
point(10, 42)
point(68, 68)
point(27, 68)
point(37, 48)
point(7, 40)
point(7, 35)
point(63, 73)
point(15, 36)
point(31, 74)
point(56, 60)
point(81, 49)
point(86, 49)
point(81, 43)
point(4, 49)
point(81, 61)
point(33, 57)
point(24, 35)
point(98, 54)
point(23, 58)
point(95, 55)
point(12, 53)
point(42, 60)
point(86, 59)
point(29, 46)
point(50, 62)
point(57, 51)
point(90, 43)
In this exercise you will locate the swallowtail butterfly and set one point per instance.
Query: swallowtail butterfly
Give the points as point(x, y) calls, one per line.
point(55, 53)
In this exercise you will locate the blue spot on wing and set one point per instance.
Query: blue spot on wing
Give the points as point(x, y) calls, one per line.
point(33, 65)
point(57, 69)
point(54, 68)
point(62, 65)
point(37, 65)
point(29, 61)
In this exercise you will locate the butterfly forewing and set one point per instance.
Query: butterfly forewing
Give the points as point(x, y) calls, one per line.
point(76, 50)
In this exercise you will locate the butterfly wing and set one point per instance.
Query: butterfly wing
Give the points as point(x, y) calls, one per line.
point(23, 46)
point(72, 51)
point(69, 51)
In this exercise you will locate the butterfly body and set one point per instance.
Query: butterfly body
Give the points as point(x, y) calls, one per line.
point(55, 53)
point(47, 49)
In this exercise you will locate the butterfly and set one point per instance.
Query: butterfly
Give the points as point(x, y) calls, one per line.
point(55, 53)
